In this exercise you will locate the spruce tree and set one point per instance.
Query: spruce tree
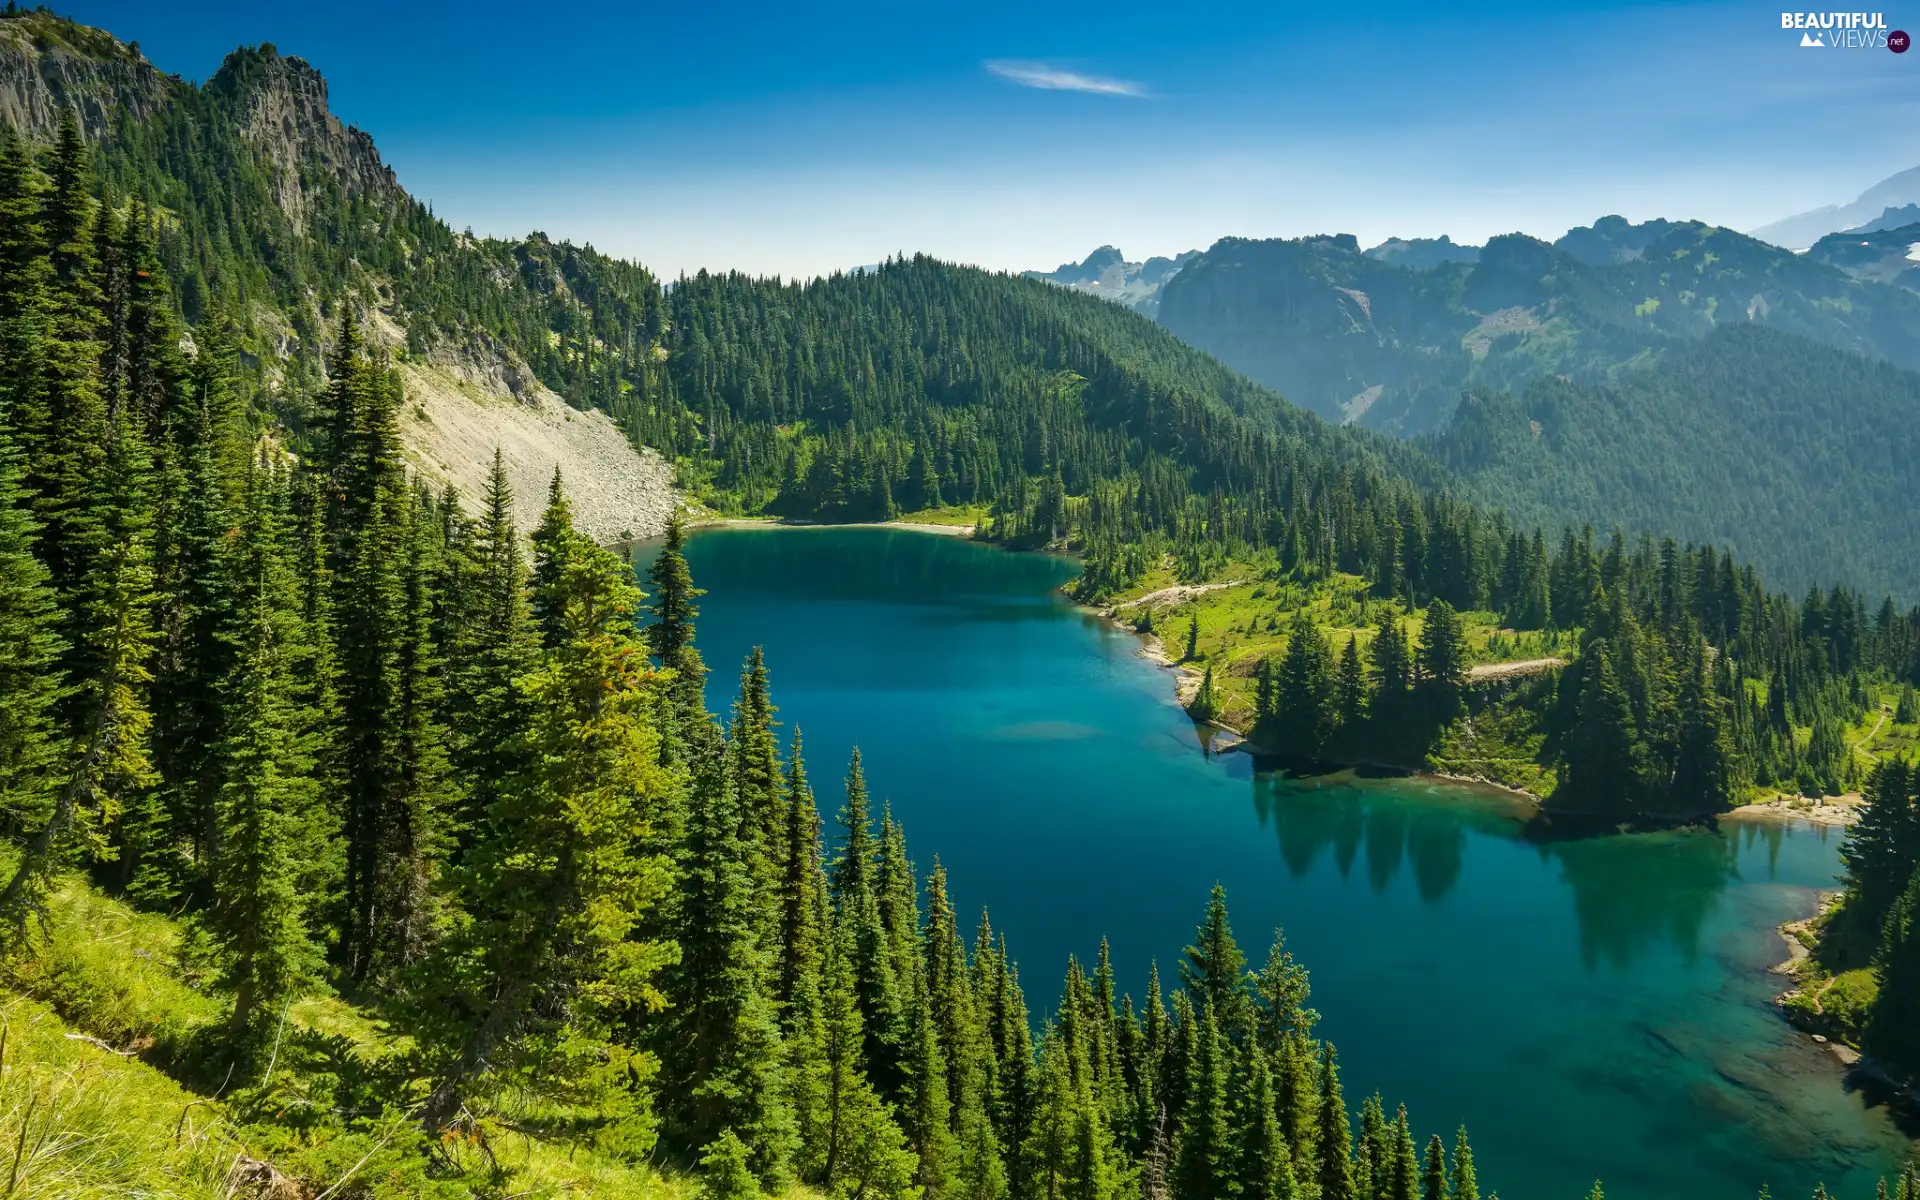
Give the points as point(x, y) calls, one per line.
point(1350, 688)
point(497, 647)
point(1442, 658)
point(271, 834)
point(1335, 1139)
point(1264, 1169)
point(556, 888)
point(670, 636)
point(1462, 1184)
point(856, 892)
point(803, 907)
point(1433, 1171)
point(721, 1057)
point(1205, 1168)
point(31, 746)
point(1214, 969)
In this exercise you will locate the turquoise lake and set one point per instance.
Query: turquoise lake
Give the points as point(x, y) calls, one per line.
point(1594, 1008)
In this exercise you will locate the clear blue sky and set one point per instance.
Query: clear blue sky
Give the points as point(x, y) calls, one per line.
point(798, 138)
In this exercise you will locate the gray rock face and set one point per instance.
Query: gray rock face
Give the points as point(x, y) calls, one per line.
point(285, 102)
point(49, 66)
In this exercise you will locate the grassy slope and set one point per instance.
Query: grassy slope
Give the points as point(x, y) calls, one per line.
point(1241, 623)
point(103, 1091)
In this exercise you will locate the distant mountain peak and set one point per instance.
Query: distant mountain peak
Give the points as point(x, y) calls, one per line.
point(1804, 229)
point(1423, 254)
point(1107, 273)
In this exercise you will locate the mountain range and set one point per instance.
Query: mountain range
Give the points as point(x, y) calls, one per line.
point(1359, 338)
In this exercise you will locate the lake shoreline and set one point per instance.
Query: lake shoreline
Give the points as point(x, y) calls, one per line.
point(1796, 967)
point(960, 531)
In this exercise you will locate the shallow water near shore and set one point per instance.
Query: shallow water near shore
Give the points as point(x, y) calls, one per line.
point(1587, 1008)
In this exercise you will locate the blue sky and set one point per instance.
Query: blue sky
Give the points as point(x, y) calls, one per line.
point(800, 138)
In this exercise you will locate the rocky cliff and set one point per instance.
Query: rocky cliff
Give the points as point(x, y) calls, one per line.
point(49, 66)
point(282, 110)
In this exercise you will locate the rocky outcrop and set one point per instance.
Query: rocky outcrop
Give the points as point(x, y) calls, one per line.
point(283, 112)
point(480, 360)
point(49, 66)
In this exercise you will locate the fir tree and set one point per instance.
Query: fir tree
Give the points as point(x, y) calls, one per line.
point(1403, 1168)
point(270, 829)
point(1335, 1139)
point(30, 691)
point(722, 1057)
point(1892, 1031)
point(1304, 693)
point(1214, 969)
point(803, 907)
point(754, 752)
point(1205, 1169)
point(1433, 1171)
point(1703, 773)
point(726, 1170)
point(1350, 688)
point(1601, 774)
point(1265, 1167)
point(856, 1148)
point(670, 636)
point(1282, 990)
point(856, 892)
point(1442, 658)
point(1392, 666)
point(496, 648)
point(555, 888)
point(1462, 1184)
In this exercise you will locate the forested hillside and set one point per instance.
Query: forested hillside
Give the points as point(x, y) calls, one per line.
point(1800, 459)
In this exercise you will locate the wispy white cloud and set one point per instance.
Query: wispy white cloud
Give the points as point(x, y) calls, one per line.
point(1057, 79)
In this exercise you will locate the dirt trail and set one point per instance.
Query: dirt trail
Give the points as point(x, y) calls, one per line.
point(1861, 745)
point(1179, 593)
point(1512, 670)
